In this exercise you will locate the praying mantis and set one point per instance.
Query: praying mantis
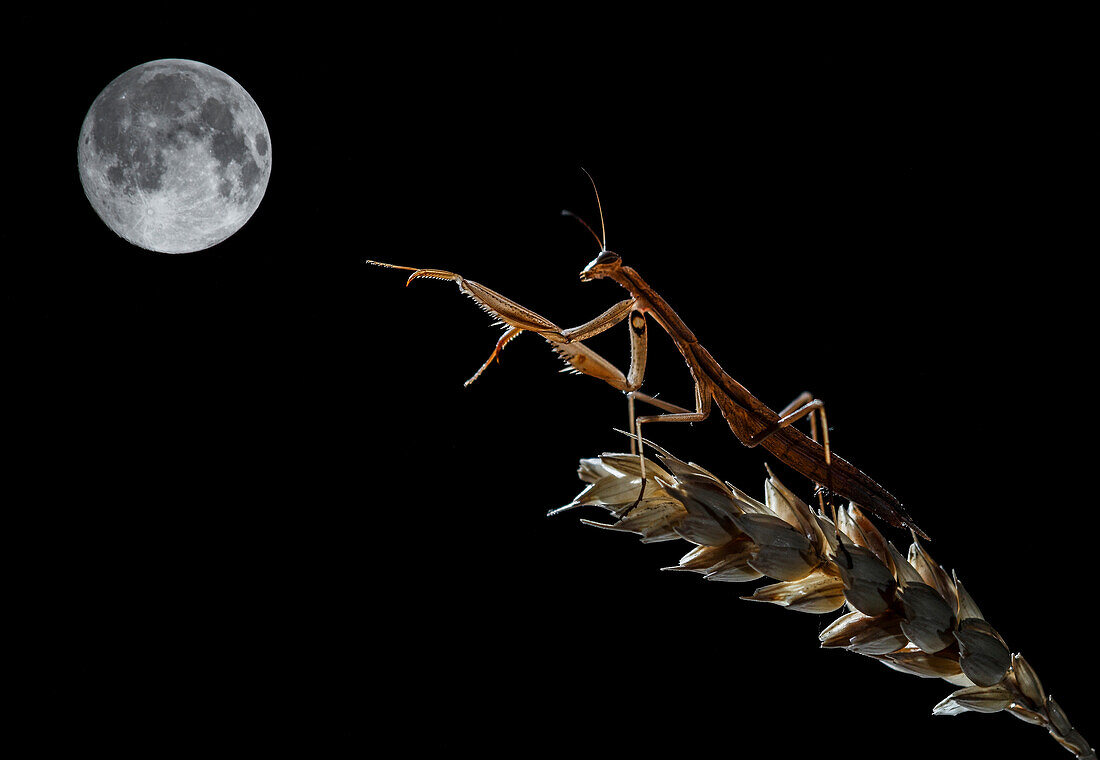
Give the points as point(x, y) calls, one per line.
point(750, 420)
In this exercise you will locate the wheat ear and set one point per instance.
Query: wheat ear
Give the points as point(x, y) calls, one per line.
point(904, 611)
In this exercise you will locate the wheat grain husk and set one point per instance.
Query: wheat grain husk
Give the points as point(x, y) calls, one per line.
point(905, 611)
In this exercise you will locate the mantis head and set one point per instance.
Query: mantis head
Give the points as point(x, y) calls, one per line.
point(605, 265)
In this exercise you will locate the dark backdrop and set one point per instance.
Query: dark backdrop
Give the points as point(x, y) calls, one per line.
point(264, 508)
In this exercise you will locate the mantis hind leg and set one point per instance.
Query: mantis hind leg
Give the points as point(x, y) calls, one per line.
point(802, 406)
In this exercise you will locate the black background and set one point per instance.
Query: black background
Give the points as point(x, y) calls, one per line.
point(264, 510)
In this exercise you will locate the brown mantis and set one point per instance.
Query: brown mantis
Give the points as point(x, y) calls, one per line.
point(753, 422)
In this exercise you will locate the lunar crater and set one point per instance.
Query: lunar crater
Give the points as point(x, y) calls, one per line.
point(174, 156)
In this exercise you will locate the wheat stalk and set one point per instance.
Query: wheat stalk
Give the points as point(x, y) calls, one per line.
point(904, 611)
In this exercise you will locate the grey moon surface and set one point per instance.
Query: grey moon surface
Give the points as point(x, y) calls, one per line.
point(174, 156)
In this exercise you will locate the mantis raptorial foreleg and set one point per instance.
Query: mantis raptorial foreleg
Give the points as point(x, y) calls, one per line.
point(605, 321)
point(567, 343)
point(578, 355)
point(504, 341)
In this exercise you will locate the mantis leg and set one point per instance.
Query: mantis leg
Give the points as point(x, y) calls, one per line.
point(793, 412)
point(518, 318)
point(584, 360)
point(657, 403)
point(605, 321)
point(702, 411)
point(652, 401)
point(504, 341)
point(804, 405)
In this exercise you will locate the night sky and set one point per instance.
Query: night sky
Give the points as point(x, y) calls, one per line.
point(265, 511)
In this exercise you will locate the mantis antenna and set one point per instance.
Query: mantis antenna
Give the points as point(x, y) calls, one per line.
point(567, 212)
point(603, 227)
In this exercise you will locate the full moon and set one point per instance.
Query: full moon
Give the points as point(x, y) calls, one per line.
point(174, 156)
